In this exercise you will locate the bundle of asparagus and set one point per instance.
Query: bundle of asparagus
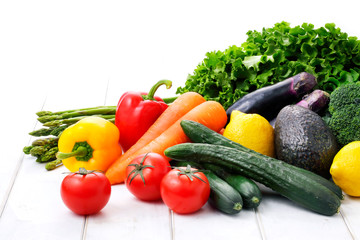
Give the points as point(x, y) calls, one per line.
point(45, 147)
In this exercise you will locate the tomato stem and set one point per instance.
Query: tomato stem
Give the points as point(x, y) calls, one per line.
point(138, 170)
point(189, 172)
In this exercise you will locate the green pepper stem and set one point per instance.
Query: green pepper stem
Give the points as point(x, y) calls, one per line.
point(79, 152)
point(150, 95)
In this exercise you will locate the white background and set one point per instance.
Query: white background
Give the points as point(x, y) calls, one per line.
point(46, 43)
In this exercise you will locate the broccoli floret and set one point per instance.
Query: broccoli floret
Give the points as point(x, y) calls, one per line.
point(344, 95)
point(344, 109)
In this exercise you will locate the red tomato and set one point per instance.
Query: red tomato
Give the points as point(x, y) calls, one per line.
point(185, 190)
point(85, 192)
point(144, 175)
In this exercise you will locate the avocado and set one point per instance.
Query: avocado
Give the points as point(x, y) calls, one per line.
point(304, 140)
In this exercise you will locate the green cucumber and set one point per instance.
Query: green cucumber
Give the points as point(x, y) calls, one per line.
point(275, 174)
point(223, 196)
point(247, 188)
point(199, 133)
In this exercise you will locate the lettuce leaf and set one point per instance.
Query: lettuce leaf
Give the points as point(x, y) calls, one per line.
point(273, 55)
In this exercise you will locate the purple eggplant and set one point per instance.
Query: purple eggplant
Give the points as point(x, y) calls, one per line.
point(268, 101)
point(316, 101)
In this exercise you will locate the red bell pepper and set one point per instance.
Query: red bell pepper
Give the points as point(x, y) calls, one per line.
point(136, 112)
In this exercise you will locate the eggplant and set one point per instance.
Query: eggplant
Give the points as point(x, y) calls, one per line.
point(316, 101)
point(268, 101)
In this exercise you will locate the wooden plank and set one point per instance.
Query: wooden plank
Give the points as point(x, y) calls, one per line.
point(350, 211)
point(283, 219)
point(17, 119)
point(209, 223)
point(128, 218)
point(34, 204)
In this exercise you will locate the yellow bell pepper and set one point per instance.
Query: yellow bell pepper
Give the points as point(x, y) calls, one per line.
point(91, 143)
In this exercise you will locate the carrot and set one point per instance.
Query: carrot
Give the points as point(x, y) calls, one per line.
point(182, 105)
point(210, 114)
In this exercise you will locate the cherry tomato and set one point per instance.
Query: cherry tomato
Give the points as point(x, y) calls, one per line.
point(185, 189)
point(144, 175)
point(85, 192)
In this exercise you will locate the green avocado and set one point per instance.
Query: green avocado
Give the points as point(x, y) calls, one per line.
point(304, 140)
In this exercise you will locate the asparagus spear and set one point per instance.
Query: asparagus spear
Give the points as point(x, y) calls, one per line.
point(70, 114)
point(58, 130)
point(37, 151)
point(53, 164)
point(49, 155)
point(27, 149)
point(44, 141)
point(44, 113)
point(72, 120)
point(40, 143)
point(54, 131)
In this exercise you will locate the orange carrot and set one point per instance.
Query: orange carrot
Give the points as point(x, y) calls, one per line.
point(182, 105)
point(210, 114)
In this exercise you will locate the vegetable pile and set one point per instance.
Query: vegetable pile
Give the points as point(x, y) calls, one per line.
point(275, 54)
point(301, 84)
point(45, 147)
point(292, 182)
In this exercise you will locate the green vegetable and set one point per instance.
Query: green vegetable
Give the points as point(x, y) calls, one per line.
point(68, 121)
point(223, 196)
point(344, 113)
point(53, 164)
point(201, 134)
point(54, 131)
point(37, 151)
point(41, 146)
point(43, 141)
point(249, 191)
point(273, 173)
point(247, 188)
point(273, 55)
point(49, 155)
point(103, 110)
point(47, 113)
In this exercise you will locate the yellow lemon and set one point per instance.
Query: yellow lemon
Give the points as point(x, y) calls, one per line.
point(252, 131)
point(345, 169)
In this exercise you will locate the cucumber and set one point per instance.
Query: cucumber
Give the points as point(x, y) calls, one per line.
point(223, 196)
point(275, 174)
point(199, 133)
point(247, 188)
point(249, 191)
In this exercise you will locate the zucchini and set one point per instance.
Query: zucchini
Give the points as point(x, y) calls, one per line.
point(247, 188)
point(275, 174)
point(223, 196)
point(201, 134)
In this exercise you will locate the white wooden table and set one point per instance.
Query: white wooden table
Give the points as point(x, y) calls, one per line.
point(76, 54)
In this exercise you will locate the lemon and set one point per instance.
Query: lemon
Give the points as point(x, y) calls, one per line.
point(345, 169)
point(252, 131)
